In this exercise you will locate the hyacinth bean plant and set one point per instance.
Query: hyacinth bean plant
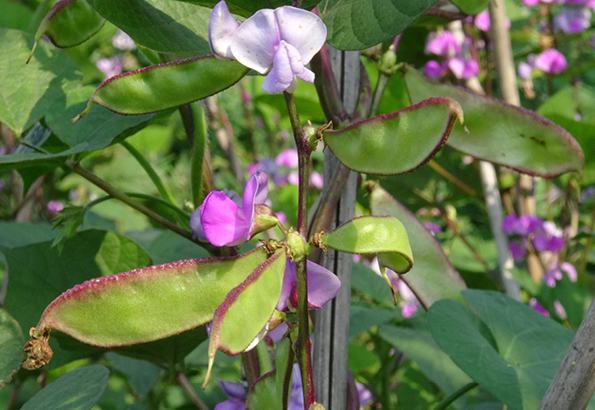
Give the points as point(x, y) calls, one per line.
point(211, 204)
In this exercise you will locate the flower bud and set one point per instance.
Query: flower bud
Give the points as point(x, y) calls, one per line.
point(297, 246)
point(264, 219)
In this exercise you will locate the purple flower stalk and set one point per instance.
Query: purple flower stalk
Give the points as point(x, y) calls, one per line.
point(278, 43)
point(224, 221)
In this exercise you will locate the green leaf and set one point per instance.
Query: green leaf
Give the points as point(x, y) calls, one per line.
point(28, 91)
point(79, 389)
point(41, 270)
point(246, 309)
point(17, 234)
point(140, 375)
point(508, 348)
point(432, 276)
point(417, 344)
point(161, 25)
point(69, 23)
point(163, 86)
point(385, 236)
point(248, 7)
point(359, 24)
point(265, 394)
point(513, 136)
point(398, 142)
point(471, 6)
point(14, 15)
point(147, 304)
point(12, 341)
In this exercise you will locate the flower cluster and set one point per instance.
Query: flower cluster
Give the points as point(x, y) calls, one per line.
point(279, 43)
point(454, 53)
point(544, 236)
point(283, 169)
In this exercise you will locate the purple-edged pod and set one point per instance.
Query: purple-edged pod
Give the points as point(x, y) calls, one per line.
point(501, 133)
point(168, 85)
point(141, 305)
point(241, 320)
point(69, 23)
point(397, 142)
point(384, 236)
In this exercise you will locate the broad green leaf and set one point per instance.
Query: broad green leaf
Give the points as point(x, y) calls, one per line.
point(140, 374)
point(248, 7)
point(373, 286)
point(162, 25)
point(362, 318)
point(28, 91)
point(17, 234)
point(417, 344)
point(471, 6)
point(398, 142)
point(518, 355)
point(265, 394)
point(69, 23)
point(385, 236)
point(163, 86)
point(14, 15)
point(12, 341)
point(42, 270)
point(513, 136)
point(147, 304)
point(246, 309)
point(359, 24)
point(79, 389)
point(432, 276)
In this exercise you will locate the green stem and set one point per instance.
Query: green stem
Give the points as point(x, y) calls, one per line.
point(303, 343)
point(450, 399)
point(121, 196)
point(183, 215)
point(287, 377)
point(165, 194)
point(190, 391)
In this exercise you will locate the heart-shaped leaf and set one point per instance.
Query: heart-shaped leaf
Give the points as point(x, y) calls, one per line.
point(78, 389)
point(398, 142)
point(432, 277)
point(169, 85)
point(513, 136)
point(515, 359)
point(359, 24)
point(385, 236)
point(246, 309)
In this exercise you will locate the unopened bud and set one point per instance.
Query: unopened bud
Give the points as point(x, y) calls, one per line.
point(297, 246)
point(264, 219)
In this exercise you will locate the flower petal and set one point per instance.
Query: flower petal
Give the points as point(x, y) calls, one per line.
point(302, 29)
point(255, 193)
point(255, 41)
point(281, 76)
point(234, 390)
point(222, 222)
point(323, 285)
point(289, 280)
point(222, 26)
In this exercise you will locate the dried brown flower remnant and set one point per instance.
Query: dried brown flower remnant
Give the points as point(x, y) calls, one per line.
point(38, 350)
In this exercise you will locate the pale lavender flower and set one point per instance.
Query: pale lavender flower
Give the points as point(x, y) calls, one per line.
point(237, 393)
point(408, 303)
point(570, 271)
point(482, 21)
point(278, 43)
point(287, 158)
point(552, 276)
point(463, 68)
point(110, 66)
point(559, 309)
point(443, 44)
point(434, 69)
point(551, 61)
point(316, 180)
point(2, 150)
point(538, 307)
point(364, 394)
point(123, 41)
point(433, 228)
point(572, 20)
point(525, 71)
point(548, 238)
point(530, 3)
point(54, 207)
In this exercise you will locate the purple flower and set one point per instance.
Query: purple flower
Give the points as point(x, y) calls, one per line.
point(110, 66)
point(530, 3)
point(570, 271)
point(548, 238)
point(287, 158)
point(409, 303)
point(224, 221)
point(573, 20)
point(434, 69)
point(482, 21)
point(433, 228)
point(560, 311)
point(538, 307)
point(123, 41)
point(323, 285)
point(517, 249)
point(279, 42)
point(237, 393)
point(364, 394)
point(522, 225)
point(551, 61)
point(463, 68)
point(54, 207)
point(525, 71)
point(316, 180)
point(443, 44)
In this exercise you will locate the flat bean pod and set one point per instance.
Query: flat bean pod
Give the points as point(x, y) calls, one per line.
point(163, 86)
point(146, 304)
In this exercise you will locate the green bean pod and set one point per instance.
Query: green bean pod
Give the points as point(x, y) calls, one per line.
point(168, 85)
point(69, 23)
point(382, 235)
point(144, 304)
